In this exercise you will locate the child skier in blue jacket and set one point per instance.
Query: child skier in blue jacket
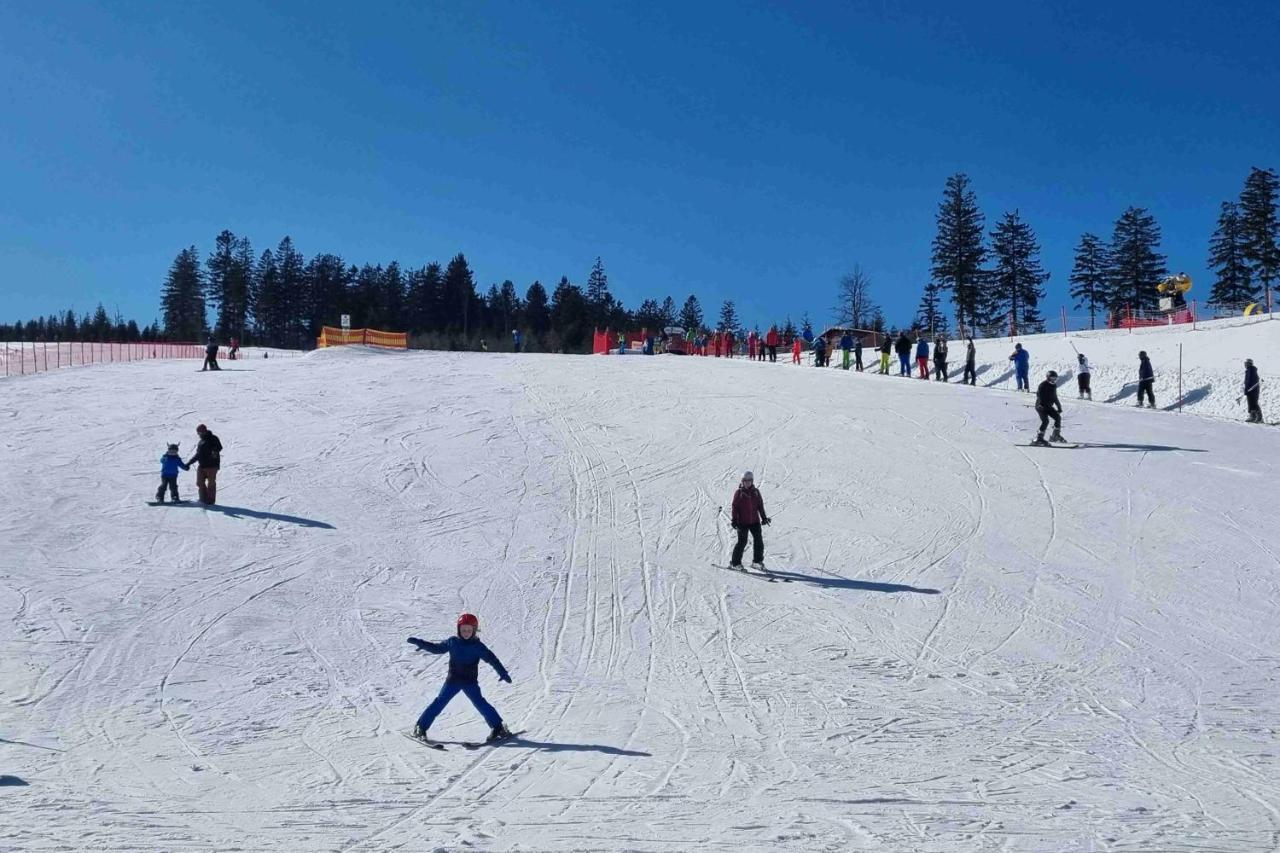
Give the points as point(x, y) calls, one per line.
point(465, 653)
point(169, 465)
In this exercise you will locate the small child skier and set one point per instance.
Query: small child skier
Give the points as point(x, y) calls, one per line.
point(169, 465)
point(465, 653)
point(747, 517)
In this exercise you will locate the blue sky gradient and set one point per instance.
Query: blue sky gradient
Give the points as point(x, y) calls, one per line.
point(745, 151)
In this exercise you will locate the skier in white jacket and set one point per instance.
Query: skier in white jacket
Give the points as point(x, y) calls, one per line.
point(1082, 376)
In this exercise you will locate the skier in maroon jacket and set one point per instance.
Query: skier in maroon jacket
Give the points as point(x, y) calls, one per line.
point(748, 515)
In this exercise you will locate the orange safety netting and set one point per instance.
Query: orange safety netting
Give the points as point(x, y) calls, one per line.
point(331, 337)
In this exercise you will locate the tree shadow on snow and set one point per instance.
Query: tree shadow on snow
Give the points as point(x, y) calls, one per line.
point(1195, 395)
point(12, 782)
point(242, 512)
point(1128, 390)
point(835, 582)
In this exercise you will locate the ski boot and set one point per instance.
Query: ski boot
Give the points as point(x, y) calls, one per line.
point(737, 567)
point(1039, 441)
point(421, 734)
point(1057, 438)
point(500, 732)
point(758, 567)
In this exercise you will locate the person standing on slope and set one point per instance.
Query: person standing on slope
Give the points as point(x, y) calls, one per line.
point(209, 459)
point(1022, 367)
point(1252, 388)
point(846, 347)
point(169, 465)
point(970, 363)
point(1047, 406)
point(819, 352)
point(903, 348)
point(771, 341)
point(857, 353)
point(1082, 376)
point(1146, 380)
point(940, 360)
point(922, 356)
point(747, 516)
point(515, 340)
point(795, 350)
point(886, 349)
point(465, 652)
point(210, 356)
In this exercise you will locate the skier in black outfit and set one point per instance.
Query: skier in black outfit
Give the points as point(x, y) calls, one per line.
point(1146, 380)
point(1252, 387)
point(940, 360)
point(1047, 406)
point(970, 360)
point(210, 356)
point(903, 348)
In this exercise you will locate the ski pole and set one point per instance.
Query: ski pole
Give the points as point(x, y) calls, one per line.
point(1247, 390)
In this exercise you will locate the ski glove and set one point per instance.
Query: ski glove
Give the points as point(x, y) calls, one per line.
point(765, 521)
point(414, 641)
point(505, 677)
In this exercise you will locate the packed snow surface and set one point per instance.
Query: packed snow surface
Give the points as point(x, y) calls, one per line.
point(983, 646)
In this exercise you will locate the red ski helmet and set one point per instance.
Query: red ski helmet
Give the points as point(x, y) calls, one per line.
point(468, 619)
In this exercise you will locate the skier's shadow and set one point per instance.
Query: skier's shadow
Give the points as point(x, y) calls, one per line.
point(835, 582)
point(1128, 390)
point(552, 746)
point(12, 782)
point(1141, 448)
point(1195, 395)
point(242, 512)
point(1003, 377)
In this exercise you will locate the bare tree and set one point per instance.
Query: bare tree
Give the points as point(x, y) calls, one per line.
point(854, 307)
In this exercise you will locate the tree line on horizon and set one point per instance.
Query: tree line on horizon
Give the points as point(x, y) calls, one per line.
point(999, 286)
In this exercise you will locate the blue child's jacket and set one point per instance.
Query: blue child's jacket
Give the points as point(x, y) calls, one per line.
point(170, 463)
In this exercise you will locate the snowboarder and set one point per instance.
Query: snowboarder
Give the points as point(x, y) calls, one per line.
point(1252, 387)
point(209, 457)
point(970, 363)
point(1082, 376)
point(465, 653)
point(857, 353)
point(940, 360)
point(846, 346)
point(1047, 406)
point(747, 516)
point(1146, 380)
point(922, 357)
point(210, 356)
point(169, 465)
point(903, 348)
point(886, 349)
point(1022, 367)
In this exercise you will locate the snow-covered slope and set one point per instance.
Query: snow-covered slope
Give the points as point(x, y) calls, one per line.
point(1213, 355)
point(984, 646)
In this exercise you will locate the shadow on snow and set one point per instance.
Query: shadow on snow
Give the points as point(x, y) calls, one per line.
point(12, 781)
point(1143, 448)
point(242, 512)
point(836, 582)
point(552, 746)
point(1193, 396)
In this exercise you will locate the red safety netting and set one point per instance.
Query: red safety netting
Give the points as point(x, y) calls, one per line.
point(22, 357)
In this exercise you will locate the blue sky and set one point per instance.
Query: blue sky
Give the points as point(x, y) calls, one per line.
point(744, 151)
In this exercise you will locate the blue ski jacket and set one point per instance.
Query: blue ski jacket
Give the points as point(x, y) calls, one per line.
point(464, 658)
point(1021, 360)
point(922, 349)
point(170, 463)
point(846, 342)
point(1145, 370)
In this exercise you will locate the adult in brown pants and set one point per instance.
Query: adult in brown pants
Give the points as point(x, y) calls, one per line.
point(208, 460)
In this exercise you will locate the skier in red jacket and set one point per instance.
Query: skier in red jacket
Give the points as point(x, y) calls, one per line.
point(771, 341)
point(748, 515)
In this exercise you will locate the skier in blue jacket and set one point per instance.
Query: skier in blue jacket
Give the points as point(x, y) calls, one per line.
point(465, 653)
point(1022, 367)
point(169, 465)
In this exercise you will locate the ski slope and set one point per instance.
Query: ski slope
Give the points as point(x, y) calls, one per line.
point(984, 646)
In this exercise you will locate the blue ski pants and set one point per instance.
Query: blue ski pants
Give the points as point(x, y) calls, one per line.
point(904, 364)
point(1024, 382)
point(472, 692)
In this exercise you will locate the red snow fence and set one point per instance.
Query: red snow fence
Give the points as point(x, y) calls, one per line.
point(23, 357)
point(331, 337)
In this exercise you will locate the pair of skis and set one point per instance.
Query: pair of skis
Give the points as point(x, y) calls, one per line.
point(761, 573)
point(435, 744)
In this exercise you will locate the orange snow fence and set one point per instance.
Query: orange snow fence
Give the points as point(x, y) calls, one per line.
point(331, 337)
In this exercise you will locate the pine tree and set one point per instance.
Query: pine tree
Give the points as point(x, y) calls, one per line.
point(537, 313)
point(506, 310)
point(1017, 281)
point(729, 318)
point(691, 314)
point(649, 315)
point(1136, 265)
point(1261, 230)
point(929, 313)
point(293, 294)
point(391, 296)
point(102, 325)
point(1233, 277)
point(569, 315)
point(958, 251)
point(366, 304)
point(788, 331)
point(328, 278)
point(600, 302)
point(182, 301)
point(228, 283)
point(668, 312)
point(1089, 276)
point(459, 295)
point(267, 301)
